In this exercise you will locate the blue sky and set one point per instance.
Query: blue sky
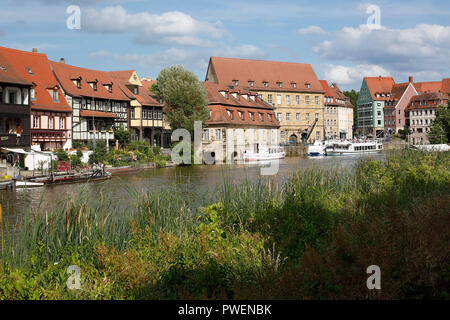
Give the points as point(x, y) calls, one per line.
point(148, 35)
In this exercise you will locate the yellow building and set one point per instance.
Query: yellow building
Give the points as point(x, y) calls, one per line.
point(292, 88)
point(146, 119)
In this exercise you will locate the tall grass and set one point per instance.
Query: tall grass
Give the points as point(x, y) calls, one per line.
point(248, 240)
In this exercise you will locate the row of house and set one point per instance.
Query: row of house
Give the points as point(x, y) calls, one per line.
point(47, 105)
point(385, 107)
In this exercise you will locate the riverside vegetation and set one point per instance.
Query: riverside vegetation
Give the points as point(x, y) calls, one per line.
point(310, 237)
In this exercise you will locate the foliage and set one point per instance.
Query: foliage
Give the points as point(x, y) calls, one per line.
point(184, 94)
point(122, 135)
point(75, 160)
point(403, 133)
point(353, 95)
point(62, 155)
point(310, 237)
point(440, 129)
point(98, 156)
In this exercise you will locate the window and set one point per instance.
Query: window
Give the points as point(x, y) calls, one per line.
point(241, 115)
point(252, 116)
point(288, 100)
point(230, 114)
point(280, 84)
point(29, 71)
point(36, 122)
point(236, 82)
point(269, 116)
point(308, 85)
point(297, 100)
point(12, 98)
point(288, 116)
point(317, 117)
point(251, 83)
point(294, 85)
point(50, 122)
point(218, 134)
point(32, 94)
point(206, 134)
point(307, 99)
point(399, 121)
point(62, 123)
point(279, 115)
point(55, 96)
point(266, 84)
point(269, 99)
point(278, 98)
point(261, 116)
point(297, 116)
point(317, 100)
point(307, 117)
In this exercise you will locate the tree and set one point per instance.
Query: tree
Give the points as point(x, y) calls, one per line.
point(185, 96)
point(353, 95)
point(122, 135)
point(99, 154)
point(440, 129)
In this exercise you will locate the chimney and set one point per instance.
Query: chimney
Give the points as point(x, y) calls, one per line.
point(62, 60)
point(34, 50)
point(411, 79)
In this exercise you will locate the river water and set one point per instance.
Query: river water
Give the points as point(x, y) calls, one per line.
point(202, 177)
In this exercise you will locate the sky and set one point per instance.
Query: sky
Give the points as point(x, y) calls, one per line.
point(339, 39)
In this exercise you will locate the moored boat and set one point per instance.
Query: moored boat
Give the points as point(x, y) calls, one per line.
point(341, 148)
point(264, 153)
point(317, 149)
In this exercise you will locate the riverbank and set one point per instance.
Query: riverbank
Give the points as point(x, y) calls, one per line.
point(312, 236)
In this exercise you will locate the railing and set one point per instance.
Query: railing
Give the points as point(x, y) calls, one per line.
point(13, 141)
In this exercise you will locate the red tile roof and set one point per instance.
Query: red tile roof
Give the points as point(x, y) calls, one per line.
point(332, 91)
point(8, 74)
point(219, 106)
point(259, 71)
point(35, 68)
point(98, 114)
point(379, 85)
point(67, 73)
point(427, 99)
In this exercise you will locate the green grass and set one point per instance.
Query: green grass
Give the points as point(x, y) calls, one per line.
point(311, 236)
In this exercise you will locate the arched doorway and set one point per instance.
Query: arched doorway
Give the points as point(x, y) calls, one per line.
point(293, 138)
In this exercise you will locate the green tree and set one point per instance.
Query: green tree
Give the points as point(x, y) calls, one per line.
point(122, 135)
point(99, 154)
point(184, 94)
point(62, 155)
point(353, 95)
point(440, 129)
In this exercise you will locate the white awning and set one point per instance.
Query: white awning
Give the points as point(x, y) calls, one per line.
point(21, 151)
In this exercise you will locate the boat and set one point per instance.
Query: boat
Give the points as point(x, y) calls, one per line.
point(95, 175)
point(27, 184)
point(6, 185)
point(317, 149)
point(342, 148)
point(264, 153)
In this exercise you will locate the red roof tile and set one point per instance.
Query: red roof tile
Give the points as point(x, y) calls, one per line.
point(219, 106)
point(8, 74)
point(35, 68)
point(98, 114)
point(379, 85)
point(332, 91)
point(259, 71)
point(67, 73)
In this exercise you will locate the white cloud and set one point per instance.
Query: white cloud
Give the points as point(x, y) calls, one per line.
point(422, 48)
point(171, 28)
point(344, 75)
point(312, 30)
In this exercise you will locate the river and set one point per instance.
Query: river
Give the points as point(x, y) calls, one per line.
point(201, 177)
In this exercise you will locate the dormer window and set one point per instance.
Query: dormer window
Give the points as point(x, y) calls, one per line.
point(269, 116)
point(294, 85)
point(230, 114)
point(245, 96)
point(108, 87)
point(308, 85)
point(241, 115)
point(236, 82)
point(77, 82)
point(266, 84)
point(280, 84)
point(29, 71)
point(261, 116)
point(55, 96)
point(253, 98)
point(252, 116)
point(93, 85)
point(33, 94)
point(136, 90)
point(223, 93)
point(251, 83)
point(235, 95)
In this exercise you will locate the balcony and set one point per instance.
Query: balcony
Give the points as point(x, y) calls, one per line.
point(15, 109)
point(12, 141)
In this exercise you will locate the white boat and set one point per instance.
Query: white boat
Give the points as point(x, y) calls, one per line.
point(264, 153)
point(316, 150)
point(28, 184)
point(341, 148)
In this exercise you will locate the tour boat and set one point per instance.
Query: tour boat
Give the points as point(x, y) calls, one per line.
point(264, 153)
point(342, 148)
point(316, 150)
point(27, 184)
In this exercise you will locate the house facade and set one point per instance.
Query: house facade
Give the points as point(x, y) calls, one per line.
point(14, 107)
point(239, 120)
point(146, 121)
point(422, 112)
point(337, 113)
point(291, 88)
point(50, 114)
point(99, 105)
